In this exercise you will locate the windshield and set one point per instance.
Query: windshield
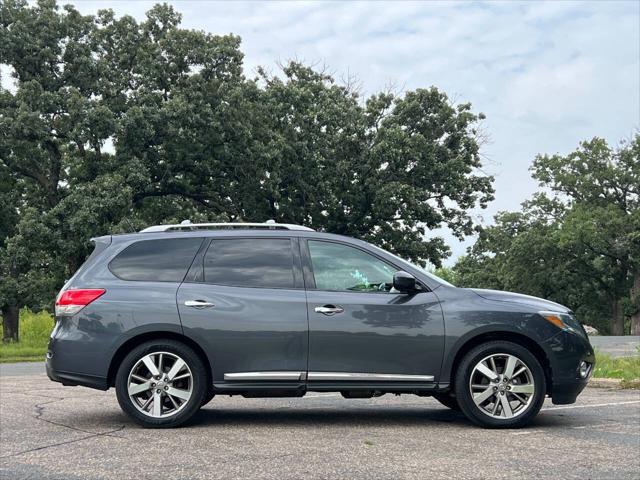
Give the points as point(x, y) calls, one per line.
point(429, 274)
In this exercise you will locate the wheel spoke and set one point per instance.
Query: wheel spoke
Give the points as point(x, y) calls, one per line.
point(173, 400)
point(139, 378)
point(177, 366)
point(180, 377)
point(157, 404)
point(522, 400)
point(148, 362)
point(528, 389)
point(486, 371)
point(178, 392)
point(510, 366)
point(506, 407)
point(483, 396)
point(493, 364)
point(147, 403)
point(518, 372)
point(136, 388)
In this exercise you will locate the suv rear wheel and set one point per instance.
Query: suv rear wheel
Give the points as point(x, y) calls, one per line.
point(500, 384)
point(161, 383)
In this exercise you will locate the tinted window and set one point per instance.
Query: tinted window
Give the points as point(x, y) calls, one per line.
point(250, 263)
point(156, 260)
point(340, 267)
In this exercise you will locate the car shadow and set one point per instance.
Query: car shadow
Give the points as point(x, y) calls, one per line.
point(324, 416)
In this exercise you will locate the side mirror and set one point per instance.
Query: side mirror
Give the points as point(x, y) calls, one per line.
point(404, 282)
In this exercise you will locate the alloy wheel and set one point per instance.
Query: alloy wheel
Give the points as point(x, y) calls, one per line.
point(160, 384)
point(502, 386)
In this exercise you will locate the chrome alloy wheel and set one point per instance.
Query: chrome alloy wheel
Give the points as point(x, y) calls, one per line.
point(160, 384)
point(502, 386)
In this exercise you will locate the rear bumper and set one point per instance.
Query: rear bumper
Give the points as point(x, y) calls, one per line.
point(567, 351)
point(73, 379)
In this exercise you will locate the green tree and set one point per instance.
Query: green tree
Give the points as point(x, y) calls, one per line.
point(578, 244)
point(387, 171)
point(600, 187)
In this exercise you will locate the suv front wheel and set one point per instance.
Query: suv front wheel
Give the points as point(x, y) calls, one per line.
point(161, 383)
point(500, 384)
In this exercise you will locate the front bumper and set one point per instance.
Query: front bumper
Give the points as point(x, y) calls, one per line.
point(567, 351)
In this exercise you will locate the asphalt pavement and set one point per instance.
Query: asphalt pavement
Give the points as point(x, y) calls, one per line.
point(52, 432)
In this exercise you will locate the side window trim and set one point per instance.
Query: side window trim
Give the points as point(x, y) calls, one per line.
point(307, 266)
point(195, 274)
point(309, 278)
point(199, 261)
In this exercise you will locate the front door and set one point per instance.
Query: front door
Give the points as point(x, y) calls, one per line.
point(360, 329)
point(246, 304)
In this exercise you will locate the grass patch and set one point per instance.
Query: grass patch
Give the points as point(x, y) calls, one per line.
point(34, 331)
point(625, 368)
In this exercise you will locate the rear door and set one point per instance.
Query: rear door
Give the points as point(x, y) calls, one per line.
point(362, 331)
point(244, 300)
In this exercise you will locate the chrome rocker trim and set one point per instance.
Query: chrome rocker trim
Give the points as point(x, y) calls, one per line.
point(328, 376)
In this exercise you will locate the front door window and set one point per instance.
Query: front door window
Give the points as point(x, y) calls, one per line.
point(338, 267)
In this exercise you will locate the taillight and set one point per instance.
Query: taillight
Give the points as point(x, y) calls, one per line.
point(71, 302)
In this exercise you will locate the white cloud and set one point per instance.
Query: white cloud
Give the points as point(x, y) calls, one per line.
point(547, 74)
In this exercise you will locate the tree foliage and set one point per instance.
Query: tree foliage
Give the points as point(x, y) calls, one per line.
point(577, 243)
point(116, 124)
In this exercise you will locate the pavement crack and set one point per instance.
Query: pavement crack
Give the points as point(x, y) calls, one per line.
point(40, 408)
point(43, 447)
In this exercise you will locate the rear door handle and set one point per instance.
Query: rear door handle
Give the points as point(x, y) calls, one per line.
point(198, 304)
point(329, 309)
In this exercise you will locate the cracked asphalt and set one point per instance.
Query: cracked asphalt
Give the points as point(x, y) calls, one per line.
point(52, 432)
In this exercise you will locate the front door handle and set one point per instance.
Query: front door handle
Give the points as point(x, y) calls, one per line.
point(198, 304)
point(329, 309)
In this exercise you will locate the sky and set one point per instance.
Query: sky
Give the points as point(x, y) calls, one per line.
point(546, 74)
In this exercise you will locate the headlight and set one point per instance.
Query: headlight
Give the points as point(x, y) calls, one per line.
point(563, 321)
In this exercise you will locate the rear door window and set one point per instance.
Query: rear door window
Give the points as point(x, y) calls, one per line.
point(250, 262)
point(164, 260)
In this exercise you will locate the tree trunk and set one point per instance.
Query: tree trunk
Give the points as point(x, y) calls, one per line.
point(617, 318)
point(635, 301)
point(10, 317)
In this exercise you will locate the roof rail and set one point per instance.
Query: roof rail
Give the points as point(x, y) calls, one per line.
point(186, 225)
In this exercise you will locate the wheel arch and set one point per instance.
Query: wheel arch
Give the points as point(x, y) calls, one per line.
point(509, 336)
point(141, 338)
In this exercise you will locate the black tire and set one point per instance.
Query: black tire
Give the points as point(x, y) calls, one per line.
point(199, 386)
point(464, 395)
point(448, 400)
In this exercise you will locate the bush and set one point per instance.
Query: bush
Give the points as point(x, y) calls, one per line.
point(625, 368)
point(33, 334)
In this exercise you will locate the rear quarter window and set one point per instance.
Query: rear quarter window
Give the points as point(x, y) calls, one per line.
point(164, 260)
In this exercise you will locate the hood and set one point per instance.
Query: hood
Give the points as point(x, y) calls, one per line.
point(535, 302)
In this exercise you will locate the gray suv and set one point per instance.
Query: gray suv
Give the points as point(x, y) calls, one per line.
point(177, 314)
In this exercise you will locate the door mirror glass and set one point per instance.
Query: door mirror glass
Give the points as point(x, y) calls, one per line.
point(404, 282)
